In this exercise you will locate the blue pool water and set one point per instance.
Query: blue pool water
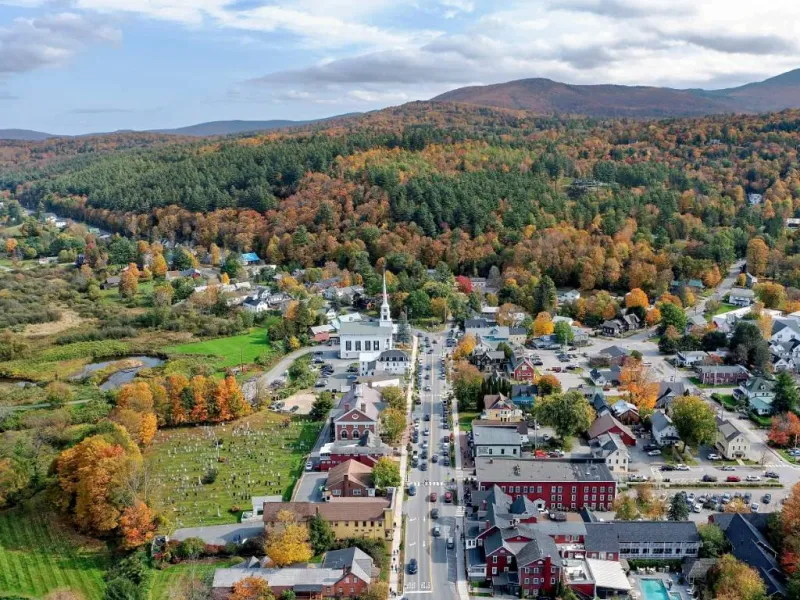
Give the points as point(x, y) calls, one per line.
point(654, 589)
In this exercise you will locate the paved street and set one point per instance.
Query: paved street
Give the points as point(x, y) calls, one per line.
point(437, 571)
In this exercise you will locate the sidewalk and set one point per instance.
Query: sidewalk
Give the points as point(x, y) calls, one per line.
point(397, 538)
point(461, 567)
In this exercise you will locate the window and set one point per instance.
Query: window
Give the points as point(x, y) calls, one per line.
point(343, 435)
point(494, 570)
point(358, 345)
point(552, 581)
point(372, 523)
point(494, 559)
point(348, 346)
point(365, 524)
point(337, 492)
point(527, 580)
point(538, 489)
point(367, 345)
point(524, 489)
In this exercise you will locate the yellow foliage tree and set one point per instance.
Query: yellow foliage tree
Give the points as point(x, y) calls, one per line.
point(543, 324)
point(225, 279)
point(465, 347)
point(251, 588)
point(439, 308)
point(129, 281)
point(11, 245)
point(653, 317)
point(159, 266)
point(734, 580)
point(290, 545)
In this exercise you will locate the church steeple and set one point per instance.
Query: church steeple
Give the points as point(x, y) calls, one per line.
point(386, 314)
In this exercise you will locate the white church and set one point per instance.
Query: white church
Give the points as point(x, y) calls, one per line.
point(368, 337)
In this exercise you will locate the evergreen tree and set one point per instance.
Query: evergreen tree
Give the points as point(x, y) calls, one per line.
point(786, 395)
point(544, 296)
point(678, 509)
point(403, 329)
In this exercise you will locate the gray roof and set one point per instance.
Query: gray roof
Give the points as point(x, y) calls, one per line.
point(607, 536)
point(495, 436)
point(660, 421)
point(606, 444)
point(393, 355)
point(742, 293)
point(542, 546)
point(358, 561)
point(364, 328)
point(616, 351)
point(733, 369)
point(503, 469)
point(728, 429)
point(759, 384)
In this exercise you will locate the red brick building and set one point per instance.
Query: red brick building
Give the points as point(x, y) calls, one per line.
point(350, 479)
point(359, 413)
point(551, 484)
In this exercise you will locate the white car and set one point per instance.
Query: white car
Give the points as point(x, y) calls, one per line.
point(752, 478)
point(681, 467)
point(654, 453)
point(309, 466)
point(697, 507)
point(713, 456)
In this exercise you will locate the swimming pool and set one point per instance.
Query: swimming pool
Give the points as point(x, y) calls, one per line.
point(654, 589)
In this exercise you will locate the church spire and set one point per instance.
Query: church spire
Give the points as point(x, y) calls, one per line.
point(386, 314)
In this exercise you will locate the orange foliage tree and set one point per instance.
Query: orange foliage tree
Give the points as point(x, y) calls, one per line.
point(251, 588)
point(642, 389)
point(464, 347)
point(636, 298)
point(785, 430)
point(137, 525)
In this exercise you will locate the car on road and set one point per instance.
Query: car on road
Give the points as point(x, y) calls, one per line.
point(423, 466)
point(309, 465)
point(451, 543)
point(427, 388)
point(727, 468)
point(427, 416)
point(437, 532)
point(426, 432)
point(433, 497)
point(650, 447)
point(771, 475)
point(637, 477)
point(446, 461)
point(448, 496)
point(713, 456)
point(681, 467)
point(655, 452)
point(321, 383)
point(710, 478)
point(412, 566)
point(733, 479)
point(412, 490)
point(434, 513)
point(435, 458)
point(752, 478)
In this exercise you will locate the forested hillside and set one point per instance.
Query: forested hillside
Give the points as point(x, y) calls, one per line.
point(592, 203)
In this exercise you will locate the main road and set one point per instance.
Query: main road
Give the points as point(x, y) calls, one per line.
point(437, 571)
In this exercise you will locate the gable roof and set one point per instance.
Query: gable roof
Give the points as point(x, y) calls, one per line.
point(605, 422)
point(606, 444)
point(336, 509)
point(608, 536)
point(660, 421)
point(728, 429)
point(353, 470)
point(752, 548)
point(497, 401)
point(358, 562)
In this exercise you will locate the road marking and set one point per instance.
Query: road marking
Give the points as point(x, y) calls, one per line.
point(418, 592)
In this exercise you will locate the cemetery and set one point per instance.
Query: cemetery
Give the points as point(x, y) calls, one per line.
point(206, 475)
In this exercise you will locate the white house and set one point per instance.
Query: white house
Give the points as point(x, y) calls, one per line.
point(726, 322)
point(392, 362)
point(755, 199)
point(785, 330)
point(371, 336)
point(741, 297)
point(255, 306)
point(731, 441)
point(492, 440)
point(759, 393)
point(689, 358)
point(664, 432)
point(564, 296)
point(610, 448)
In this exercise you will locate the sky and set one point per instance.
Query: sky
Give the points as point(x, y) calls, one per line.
point(78, 66)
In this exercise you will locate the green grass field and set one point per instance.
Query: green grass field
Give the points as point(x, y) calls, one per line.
point(465, 421)
point(173, 581)
point(259, 456)
point(39, 555)
point(245, 348)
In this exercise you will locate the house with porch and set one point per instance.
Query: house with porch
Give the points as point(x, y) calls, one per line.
point(663, 430)
point(759, 393)
point(498, 407)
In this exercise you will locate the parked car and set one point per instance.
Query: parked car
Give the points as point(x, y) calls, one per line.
point(434, 513)
point(448, 496)
point(726, 468)
point(713, 456)
point(437, 532)
point(767, 498)
point(667, 468)
point(733, 479)
point(650, 447)
point(309, 466)
point(412, 490)
point(654, 453)
point(423, 466)
point(771, 475)
point(697, 507)
point(709, 478)
point(726, 497)
point(752, 478)
point(433, 497)
point(754, 507)
point(681, 467)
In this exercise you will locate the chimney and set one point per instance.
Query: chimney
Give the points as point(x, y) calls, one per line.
point(346, 480)
point(346, 406)
point(363, 407)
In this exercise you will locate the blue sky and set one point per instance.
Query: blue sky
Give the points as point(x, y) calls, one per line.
point(77, 66)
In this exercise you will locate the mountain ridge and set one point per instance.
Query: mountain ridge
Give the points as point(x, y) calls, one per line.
point(547, 96)
point(206, 129)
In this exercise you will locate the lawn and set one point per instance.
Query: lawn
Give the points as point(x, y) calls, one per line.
point(261, 455)
point(724, 307)
point(465, 420)
point(173, 581)
point(233, 350)
point(38, 554)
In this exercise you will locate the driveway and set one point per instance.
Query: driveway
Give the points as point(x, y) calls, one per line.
point(308, 488)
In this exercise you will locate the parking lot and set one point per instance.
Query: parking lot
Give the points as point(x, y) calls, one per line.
point(339, 379)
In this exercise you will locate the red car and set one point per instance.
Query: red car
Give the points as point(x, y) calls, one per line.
point(433, 497)
point(448, 497)
point(733, 479)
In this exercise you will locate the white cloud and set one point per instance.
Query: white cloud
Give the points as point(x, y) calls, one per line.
point(51, 40)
